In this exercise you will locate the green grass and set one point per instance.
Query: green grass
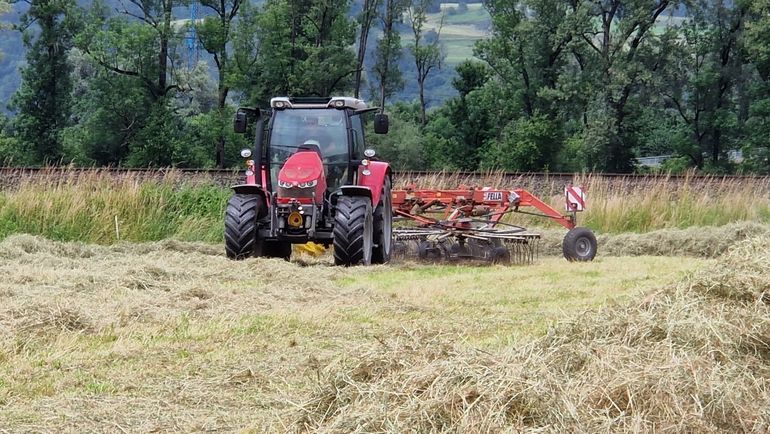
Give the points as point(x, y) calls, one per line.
point(473, 16)
point(458, 49)
point(95, 209)
point(494, 306)
point(85, 209)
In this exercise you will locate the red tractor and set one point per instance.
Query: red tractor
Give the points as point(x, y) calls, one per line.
point(310, 177)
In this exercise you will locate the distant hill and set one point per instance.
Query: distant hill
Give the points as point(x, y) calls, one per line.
point(460, 30)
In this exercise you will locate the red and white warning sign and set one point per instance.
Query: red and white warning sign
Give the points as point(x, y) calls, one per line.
point(576, 198)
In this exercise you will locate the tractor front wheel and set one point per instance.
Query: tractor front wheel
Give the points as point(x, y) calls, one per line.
point(579, 245)
point(353, 231)
point(241, 215)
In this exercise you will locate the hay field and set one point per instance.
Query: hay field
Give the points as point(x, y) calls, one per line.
point(171, 336)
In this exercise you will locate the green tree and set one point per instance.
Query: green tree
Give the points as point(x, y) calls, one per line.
point(403, 146)
point(386, 72)
point(427, 53)
point(525, 145)
point(528, 52)
point(131, 85)
point(137, 44)
point(110, 111)
point(305, 49)
point(366, 19)
point(43, 101)
point(215, 34)
point(703, 82)
point(756, 149)
point(459, 130)
point(621, 53)
point(10, 152)
point(246, 74)
point(530, 55)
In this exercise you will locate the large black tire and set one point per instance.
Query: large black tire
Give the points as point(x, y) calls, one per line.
point(579, 245)
point(383, 227)
point(241, 215)
point(353, 231)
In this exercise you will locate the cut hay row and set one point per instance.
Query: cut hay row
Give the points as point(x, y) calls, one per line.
point(172, 336)
point(704, 242)
point(694, 357)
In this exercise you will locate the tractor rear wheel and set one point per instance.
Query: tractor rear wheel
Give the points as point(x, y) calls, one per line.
point(353, 231)
point(579, 245)
point(241, 215)
point(383, 227)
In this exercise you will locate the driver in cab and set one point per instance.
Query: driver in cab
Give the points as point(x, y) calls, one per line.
point(326, 135)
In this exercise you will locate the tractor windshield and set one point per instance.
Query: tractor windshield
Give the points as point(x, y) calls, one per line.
point(324, 130)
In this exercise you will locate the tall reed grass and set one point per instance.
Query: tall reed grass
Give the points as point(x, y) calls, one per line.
point(630, 204)
point(642, 205)
point(97, 208)
point(85, 205)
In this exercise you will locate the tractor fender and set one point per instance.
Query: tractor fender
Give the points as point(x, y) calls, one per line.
point(250, 189)
point(355, 190)
point(374, 181)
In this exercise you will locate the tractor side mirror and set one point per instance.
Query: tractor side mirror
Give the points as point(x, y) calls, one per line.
point(241, 121)
point(381, 123)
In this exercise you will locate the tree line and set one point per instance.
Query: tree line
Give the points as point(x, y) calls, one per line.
point(559, 85)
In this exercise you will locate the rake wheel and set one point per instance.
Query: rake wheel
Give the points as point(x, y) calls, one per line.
point(579, 245)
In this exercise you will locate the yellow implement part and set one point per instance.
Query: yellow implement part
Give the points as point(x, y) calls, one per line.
point(311, 248)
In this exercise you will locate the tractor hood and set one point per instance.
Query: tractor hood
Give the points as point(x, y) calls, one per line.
point(302, 175)
point(302, 167)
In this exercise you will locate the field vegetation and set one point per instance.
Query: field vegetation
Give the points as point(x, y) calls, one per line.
point(84, 206)
point(97, 208)
point(173, 336)
point(665, 330)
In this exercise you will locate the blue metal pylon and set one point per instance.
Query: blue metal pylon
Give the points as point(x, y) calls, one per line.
point(192, 36)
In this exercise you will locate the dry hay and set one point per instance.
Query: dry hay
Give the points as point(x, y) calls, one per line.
point(150, 282)
point(691, 358)
point(707, 242)
point(162, 337)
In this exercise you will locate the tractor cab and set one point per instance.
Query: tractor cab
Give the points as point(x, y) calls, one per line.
point(320, 131)
point(307, 168)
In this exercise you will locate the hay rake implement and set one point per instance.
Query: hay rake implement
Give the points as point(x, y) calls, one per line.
point(466, 224)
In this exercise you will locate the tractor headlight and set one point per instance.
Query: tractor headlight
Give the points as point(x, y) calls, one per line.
point(285, 184)
point(308, 184)
point(246, 153)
